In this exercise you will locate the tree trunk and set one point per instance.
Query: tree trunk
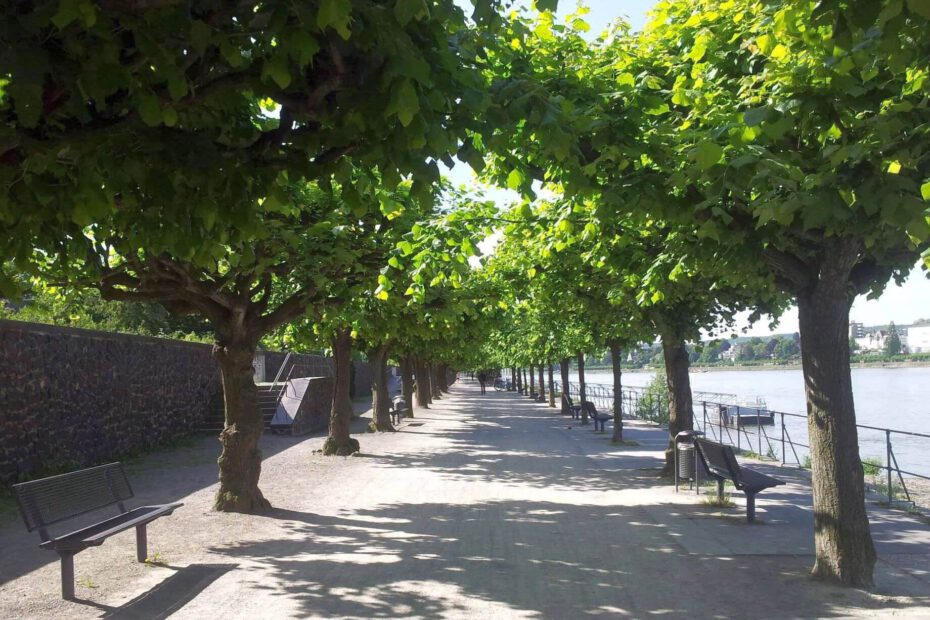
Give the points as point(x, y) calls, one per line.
point(563, 369)
point(526, 383)
point(542, 384)
point(680, 413)
point(513, 379)
point(551, 388)
point(843, 545)
point(519, 381)
point(435, 392)
point(423, 388)
point(380, 396)
point(581, 390)
point(618, 390)
point(532, 382)
point(443, 378)
point(406, 382)
point(340, 442)
point(240, 461)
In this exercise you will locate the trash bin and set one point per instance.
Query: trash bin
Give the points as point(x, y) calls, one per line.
point(684, 456)
point(685, 461)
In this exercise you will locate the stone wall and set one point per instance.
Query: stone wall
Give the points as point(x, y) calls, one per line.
point(74, 397)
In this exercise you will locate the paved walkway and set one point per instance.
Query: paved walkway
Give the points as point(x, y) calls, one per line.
point(482, 507)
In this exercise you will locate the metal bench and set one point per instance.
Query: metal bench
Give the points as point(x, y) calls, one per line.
point(56, 499)
point(720, 461)
point(575, 409)
point(600, 419)
point(398, 409)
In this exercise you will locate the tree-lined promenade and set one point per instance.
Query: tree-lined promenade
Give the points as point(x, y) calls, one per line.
point(274, 169)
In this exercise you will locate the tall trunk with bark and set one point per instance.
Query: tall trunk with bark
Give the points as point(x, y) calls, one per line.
point(551, 388)
point(542, 385)
point(532, 382)
point(380, 395)
point(240, 461)
point(680, 412)
point(526, 383)
point(563, 369)
point(423, 387)
point(435, 392)
point(615, 360)
point(582, 396)
point(406, 382)
point(340, 442)
point(519, 381)
point(443, 378)
point(843, 544)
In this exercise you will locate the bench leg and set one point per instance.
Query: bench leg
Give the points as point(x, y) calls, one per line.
point(750, 507)
point(67, 575)
point(142, 545)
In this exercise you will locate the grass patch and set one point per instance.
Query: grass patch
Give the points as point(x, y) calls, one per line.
point(871, 466)
point(625, 442)
point(156, 559)
point(719, 502)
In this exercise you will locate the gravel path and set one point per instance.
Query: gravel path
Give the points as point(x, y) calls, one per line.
point(481, 507)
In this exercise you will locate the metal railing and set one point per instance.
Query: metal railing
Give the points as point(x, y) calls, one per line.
point(769, 434)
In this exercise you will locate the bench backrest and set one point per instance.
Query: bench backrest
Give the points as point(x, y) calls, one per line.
point(718, 458)
point(399, 402)
point(588, 406)
point(59, 498)
point(567, 399)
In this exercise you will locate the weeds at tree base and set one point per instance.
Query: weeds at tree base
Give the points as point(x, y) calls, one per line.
point(156, 559)
point(625, 442)
point(718, 502)
point(86, 582)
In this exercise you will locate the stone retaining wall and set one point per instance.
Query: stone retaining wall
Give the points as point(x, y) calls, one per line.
point(74, 397)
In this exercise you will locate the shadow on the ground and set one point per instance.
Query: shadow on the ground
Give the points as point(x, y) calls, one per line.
point(424, 559)
point(168, 596)
point(160, 477)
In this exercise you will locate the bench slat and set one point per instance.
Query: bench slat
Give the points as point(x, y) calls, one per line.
point(96, 534)
point(59, 498)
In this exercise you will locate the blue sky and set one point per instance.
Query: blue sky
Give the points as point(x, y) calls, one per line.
point(901, 304)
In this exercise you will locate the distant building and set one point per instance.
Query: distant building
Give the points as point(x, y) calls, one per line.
point(856, 330)
point(918, 339)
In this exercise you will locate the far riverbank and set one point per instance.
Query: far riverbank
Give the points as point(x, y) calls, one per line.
point(854, 365)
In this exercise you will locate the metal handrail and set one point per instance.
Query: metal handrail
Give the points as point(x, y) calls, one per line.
point(632, 398)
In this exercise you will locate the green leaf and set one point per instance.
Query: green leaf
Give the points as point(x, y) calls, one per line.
point(406, 10)
point(68, 11)
point(404, 102)
point(766, 43)
point(335, 14)
point(201, 34)
point(27, 100)
point(925, 191)
point(546, 5)
point(757, 116)
point(150, 110)
point(170, 117)
point(707, 154)
point(302, 47)
point(920, 7)
point(515, 180)
point(276, 68)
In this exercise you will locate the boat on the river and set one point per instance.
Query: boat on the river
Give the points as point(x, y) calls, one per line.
point(748, 414)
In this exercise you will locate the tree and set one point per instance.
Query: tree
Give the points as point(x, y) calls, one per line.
point(794, 148)
point(151, 150)
point(893, 342)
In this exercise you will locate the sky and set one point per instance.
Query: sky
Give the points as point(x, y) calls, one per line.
point(899, 304)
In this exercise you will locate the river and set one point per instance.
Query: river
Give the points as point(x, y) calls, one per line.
point(896, 398)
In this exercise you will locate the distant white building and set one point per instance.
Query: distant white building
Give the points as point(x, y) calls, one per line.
point(874, 341)
point(918, 339)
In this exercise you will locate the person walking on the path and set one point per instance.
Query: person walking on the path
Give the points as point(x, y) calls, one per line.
point(482, 377)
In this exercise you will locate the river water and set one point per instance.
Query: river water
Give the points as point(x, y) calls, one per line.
point(896, 398)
